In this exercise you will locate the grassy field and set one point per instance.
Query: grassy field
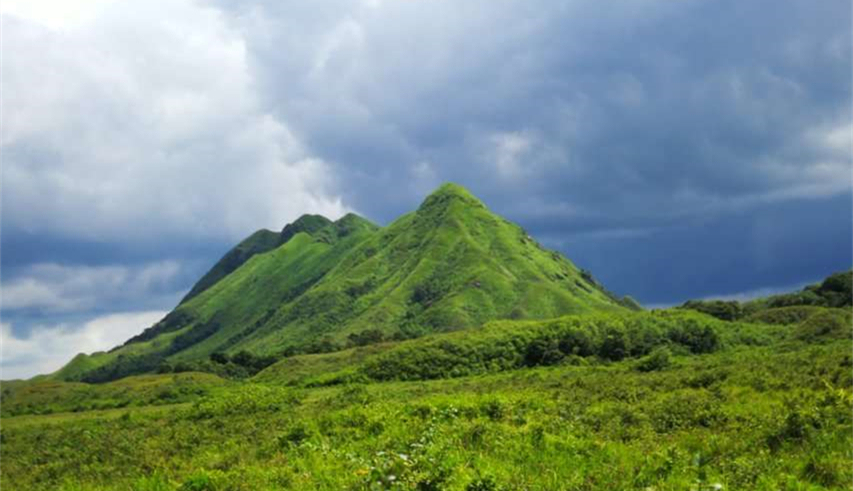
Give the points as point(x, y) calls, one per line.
point(765, 406)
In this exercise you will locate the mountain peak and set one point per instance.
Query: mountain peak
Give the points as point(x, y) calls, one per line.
point(452, 189)
point(351, 222)
point(449, 193)
point(305, 223)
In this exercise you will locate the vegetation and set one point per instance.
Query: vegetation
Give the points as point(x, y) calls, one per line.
point(768, 415)
point(835, 291)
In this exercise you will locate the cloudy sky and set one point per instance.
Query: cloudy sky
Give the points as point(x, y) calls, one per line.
point(677, 149)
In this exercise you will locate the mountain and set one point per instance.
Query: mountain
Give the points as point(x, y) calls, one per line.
point(320, 285)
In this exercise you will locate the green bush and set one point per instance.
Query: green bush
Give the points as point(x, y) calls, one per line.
point(504, 346)
point(823, 325)
point(658, 359)
point(724, 310)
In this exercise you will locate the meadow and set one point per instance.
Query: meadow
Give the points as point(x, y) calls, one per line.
point(667, 400)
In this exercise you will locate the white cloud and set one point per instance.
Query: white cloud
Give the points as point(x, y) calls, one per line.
point(143, 121)
point(48, 348)
point(56, 14)
point(54, 288)
point(509, 150)
point(747, 295)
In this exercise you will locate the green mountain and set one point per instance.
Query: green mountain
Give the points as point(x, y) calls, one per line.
point(320, 286)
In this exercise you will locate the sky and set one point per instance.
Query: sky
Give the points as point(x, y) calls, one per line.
point(676, 149)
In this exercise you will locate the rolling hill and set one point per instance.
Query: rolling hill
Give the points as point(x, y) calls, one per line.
point(321, 285)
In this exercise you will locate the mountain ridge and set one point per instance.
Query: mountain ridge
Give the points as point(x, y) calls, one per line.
point(317, 285)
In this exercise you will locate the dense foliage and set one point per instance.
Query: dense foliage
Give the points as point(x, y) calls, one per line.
point(836, 291)
point(510, 345)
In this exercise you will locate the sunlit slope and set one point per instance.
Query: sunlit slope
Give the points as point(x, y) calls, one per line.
point(451, 264)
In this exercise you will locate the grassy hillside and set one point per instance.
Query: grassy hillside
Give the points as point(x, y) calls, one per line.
point(257, 243)
point(692, 402)
point(47, 397)
point(450, 265)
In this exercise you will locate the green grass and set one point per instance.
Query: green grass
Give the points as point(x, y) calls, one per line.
point(46, 397)
point(744, 417)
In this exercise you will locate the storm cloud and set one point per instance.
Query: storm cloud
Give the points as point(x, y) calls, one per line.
point(676, 149)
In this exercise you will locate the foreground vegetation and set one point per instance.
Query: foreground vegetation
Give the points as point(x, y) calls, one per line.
point(665, 400)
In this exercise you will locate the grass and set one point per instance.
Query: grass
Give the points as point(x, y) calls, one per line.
point(49, 397)
point(765, 410)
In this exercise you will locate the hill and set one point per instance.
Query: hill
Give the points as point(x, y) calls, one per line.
point(320, 286)
point(835, 291)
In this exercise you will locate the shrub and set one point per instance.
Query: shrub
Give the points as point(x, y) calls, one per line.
point(614, 346)
point(429, 291)
point(482, 484)
point(494, 409)
point(202, 481)
point(824, 324)
point(783, 315)
point(699, 338)
point(368, 336)
point(543, 351)
point(837, 289)
point(295, 436)
point(576, 341)
point(507, 346)
point(727, 311)
point(686, 409)
point(658, 359)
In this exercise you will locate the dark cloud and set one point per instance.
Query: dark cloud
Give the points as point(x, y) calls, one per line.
point(785, 244)
point(647, 107)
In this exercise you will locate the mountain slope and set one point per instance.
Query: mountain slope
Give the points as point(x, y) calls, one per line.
point(451, 264)
point(259, 242)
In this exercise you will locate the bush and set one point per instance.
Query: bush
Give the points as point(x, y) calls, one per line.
point(202, 481)
point(727, 311)
point(578, 342)
point(838, 289)
point(295, 436)
point(699, 338)
point(825, 324)
point(783, 315)
point(543, 351)
point(685, 409)
point(614, 346)
point(658, 359)
point(368, 336)
point(505, 346)
point(482, 484)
